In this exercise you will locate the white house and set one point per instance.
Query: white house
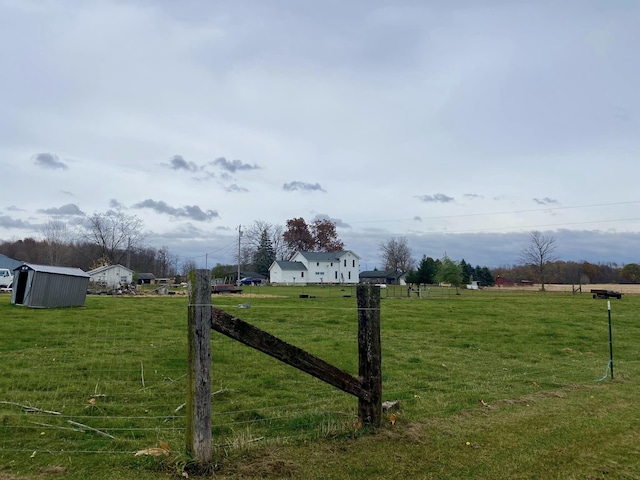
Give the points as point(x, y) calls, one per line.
point(316, 267)
point(110, 276)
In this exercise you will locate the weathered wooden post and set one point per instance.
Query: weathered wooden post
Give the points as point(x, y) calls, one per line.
point(198, 435)
point(369, 354)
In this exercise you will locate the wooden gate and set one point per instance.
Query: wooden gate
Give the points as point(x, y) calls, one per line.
point(367, 387)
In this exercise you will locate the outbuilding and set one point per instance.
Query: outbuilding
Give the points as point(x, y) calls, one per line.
point(44, 286)
point(8, 262)
point(146, 279)
point(111, 276)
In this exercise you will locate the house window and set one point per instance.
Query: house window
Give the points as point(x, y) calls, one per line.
point(354, 263)
point(345, 262)
point(336, 274)
point(317, 264)
point(332, 264)
point(301, 274)
point(123, 279)
point(349, 276)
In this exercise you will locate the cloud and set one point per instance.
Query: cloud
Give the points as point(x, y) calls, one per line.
point(68, 209)
point(545, 201)
point(473, 196)
point(13, 208)
point(336, 221)
point(49, 160)
point(437, 198)
point(113, 203)
point(10, 222)
point(193, 212)
point(293, 186)
point(234, 165)
point(235, 188)
point(417, 218)
point(179, 163)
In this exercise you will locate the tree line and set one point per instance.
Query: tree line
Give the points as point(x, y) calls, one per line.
point(114, 237)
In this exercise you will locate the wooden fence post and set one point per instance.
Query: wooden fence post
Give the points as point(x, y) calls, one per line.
point(198, 434)
point(369, 354)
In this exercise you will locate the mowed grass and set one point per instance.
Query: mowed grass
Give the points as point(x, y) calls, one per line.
point(491, 385)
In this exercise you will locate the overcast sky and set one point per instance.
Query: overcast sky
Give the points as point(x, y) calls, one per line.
point(462, 125)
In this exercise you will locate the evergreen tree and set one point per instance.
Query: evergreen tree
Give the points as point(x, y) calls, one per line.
point(265, 254)
point(426, 273)
point(484, 276)
point(467, 272)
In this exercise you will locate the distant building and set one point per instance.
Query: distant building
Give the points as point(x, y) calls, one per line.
point(387, 277)
point(9, 263)
point(316, 268)
point(508, 282)
point(111, 276)
point(146, 279)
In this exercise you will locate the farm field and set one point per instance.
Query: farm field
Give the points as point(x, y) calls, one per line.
point(492, 384)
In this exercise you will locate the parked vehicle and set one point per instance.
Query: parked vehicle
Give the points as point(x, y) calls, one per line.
point(250, 281)
point(6, 278)
point(600, 293)
point(225, 288)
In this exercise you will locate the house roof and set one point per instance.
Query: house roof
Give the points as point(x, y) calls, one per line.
point(107, 267)
point(70, 271)
point(146, 276)
point(8, 262)
point(284, 265)
point(326, 256)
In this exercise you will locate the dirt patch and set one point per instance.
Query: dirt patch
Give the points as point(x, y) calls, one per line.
point(267, 466)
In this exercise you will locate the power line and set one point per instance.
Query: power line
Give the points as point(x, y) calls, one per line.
point(529, 227)
point(507, 212)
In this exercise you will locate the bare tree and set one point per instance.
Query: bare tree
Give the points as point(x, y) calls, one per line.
point(56, 237)
point(115, 232)
point(396, 255)
point(539, 254)
point(277, 239)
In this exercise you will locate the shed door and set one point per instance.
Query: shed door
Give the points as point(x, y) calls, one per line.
point(21, 287)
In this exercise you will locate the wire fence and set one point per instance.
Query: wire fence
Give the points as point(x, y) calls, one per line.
point(111, 378)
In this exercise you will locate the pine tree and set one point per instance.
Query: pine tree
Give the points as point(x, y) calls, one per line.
point(265, 254)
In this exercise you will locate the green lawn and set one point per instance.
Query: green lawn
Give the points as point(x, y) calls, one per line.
point(491, 385)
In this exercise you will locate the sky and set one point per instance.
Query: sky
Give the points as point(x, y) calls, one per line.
point(462, 125)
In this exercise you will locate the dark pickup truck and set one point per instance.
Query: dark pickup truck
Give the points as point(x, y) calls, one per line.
point(225, 288)
point(601, 293)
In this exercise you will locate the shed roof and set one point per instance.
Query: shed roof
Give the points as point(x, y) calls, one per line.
point(69, 271)
point(382, 274)
point(146, 276)
point(377, 274)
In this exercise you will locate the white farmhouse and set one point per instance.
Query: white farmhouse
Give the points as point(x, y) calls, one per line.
point(316, 267)
point(111, 276)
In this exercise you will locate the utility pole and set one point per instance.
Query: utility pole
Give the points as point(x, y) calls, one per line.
point(239, 238)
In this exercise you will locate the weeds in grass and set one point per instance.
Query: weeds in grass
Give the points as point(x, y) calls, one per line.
point(512, 374)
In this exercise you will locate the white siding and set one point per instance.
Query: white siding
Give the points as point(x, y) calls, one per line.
point(345, 269)
point(112, 276)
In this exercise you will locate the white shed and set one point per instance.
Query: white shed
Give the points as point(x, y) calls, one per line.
point(111, 276)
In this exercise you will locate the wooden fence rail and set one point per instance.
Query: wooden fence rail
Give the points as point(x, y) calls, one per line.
point(367, 387)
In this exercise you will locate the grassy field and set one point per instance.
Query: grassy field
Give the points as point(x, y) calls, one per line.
point(492, 384)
